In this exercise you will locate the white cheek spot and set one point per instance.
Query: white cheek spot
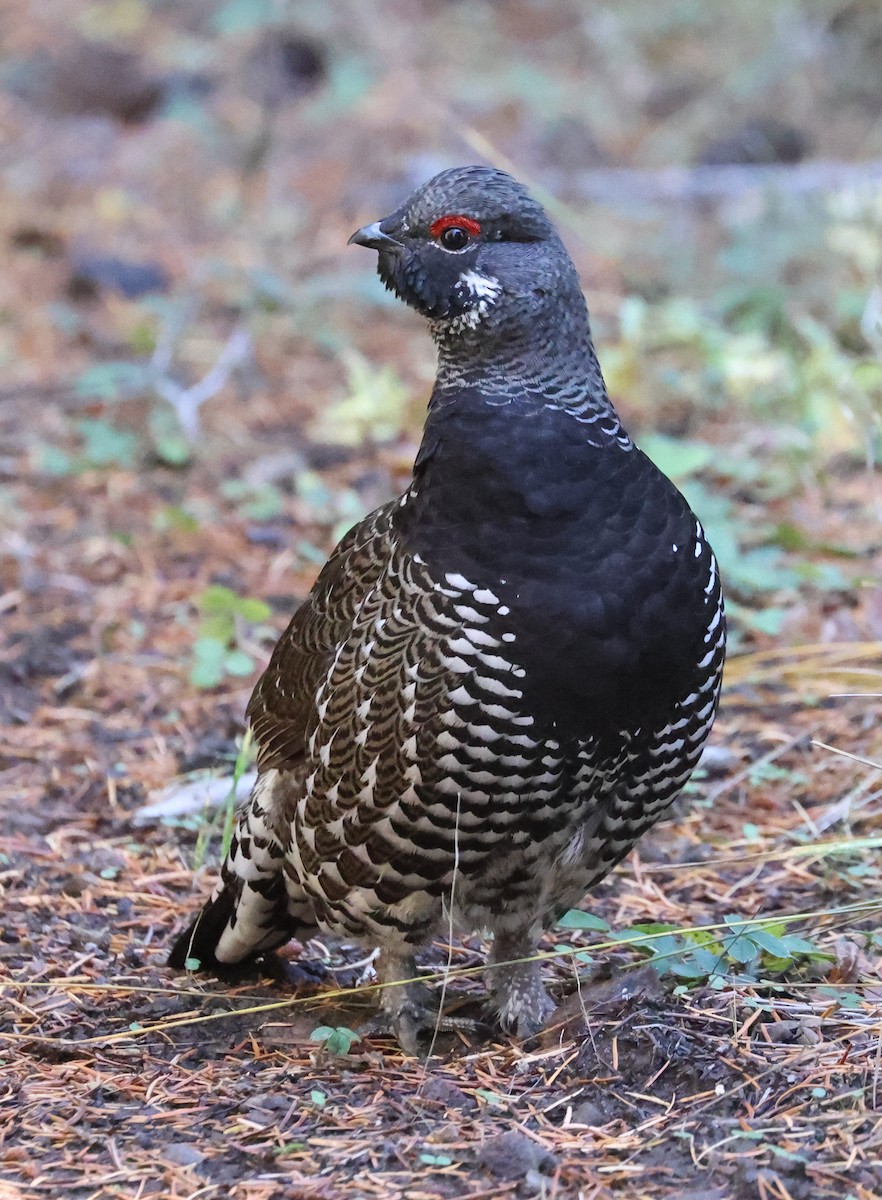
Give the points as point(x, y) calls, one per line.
point(479, 292)
point(484, 287)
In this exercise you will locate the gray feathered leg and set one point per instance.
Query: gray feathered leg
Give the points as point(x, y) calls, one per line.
point(518, 996)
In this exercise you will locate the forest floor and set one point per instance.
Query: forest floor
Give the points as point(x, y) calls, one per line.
point(720, 1024)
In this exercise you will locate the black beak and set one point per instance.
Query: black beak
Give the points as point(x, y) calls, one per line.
point(373, 237)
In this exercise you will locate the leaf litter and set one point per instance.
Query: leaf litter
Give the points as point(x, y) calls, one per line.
point(719, 1025)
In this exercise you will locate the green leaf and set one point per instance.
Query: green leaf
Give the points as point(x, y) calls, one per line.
point(258, 501)
point(209, 656)
point(322, 1033)
point(824, 576)
point(697, 965)
point(53, 461)
point(862, 871)
point(241, 16)
point(769, 944)
point(237, 662)
point(677, 458)
point(340, 1042)
point(581, 956)
point(741, 949)
point(192, 964)
point(318, 1098)
point(764, 569)
point(375, 406)
point(776, 928)
point(653, 927)
point(648, 936)
point(787, 1155)
point(253, 610)
point(577, 919)
point(664, 946)
point(288, 1148)
point(337, 1040)
point(176, 518)
point(768, 620)
point(687, 968)
point(110, 380)
point(798, 945)
point(218, 599)
point(219, 626)
point(776, 965)
point(105, 445)
point(142, 339)
point(709, 960)
point(169, 443)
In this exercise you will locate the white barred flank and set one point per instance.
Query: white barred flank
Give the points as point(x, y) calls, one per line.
point(430, 750)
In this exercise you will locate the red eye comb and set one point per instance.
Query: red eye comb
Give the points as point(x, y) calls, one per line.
point(467, 223)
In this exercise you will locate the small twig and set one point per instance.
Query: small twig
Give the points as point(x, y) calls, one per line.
point(858, 758)
point(193, 1018)
point(764, 760)
point(450, 932)
point(187, 401)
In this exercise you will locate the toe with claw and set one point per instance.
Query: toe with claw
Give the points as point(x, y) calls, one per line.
point(406, 1009)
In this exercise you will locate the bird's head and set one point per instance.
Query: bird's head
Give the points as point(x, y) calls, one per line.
point(473, 252)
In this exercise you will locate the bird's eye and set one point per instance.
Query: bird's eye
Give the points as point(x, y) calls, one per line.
point(454, 238)
point(454, 232)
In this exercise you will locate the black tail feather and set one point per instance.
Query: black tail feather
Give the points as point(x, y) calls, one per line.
point(256, 907)
point(199, 942)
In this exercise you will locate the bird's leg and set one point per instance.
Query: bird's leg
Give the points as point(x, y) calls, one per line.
point(517, 994)
point(406, 1008)
point(404, 1003)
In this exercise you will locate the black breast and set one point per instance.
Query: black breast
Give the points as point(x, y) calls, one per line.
point(592, 550)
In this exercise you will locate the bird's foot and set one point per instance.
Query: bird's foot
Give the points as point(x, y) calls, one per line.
point(518, 999)
point(408, 1015)
point(409, 1026)
point(523, 1013)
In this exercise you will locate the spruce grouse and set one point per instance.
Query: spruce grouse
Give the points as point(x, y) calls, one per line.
point(501, 679)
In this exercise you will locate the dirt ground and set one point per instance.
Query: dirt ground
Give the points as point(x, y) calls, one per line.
point(179, 184)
